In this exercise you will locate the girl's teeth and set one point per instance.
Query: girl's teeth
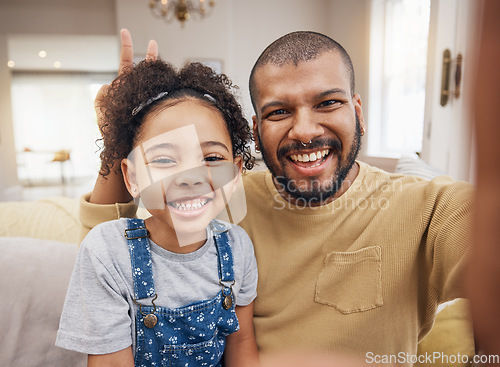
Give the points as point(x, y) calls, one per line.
point(192, 205)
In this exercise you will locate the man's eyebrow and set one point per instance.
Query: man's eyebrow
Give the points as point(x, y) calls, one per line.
point(213, 143)
point(333, 91)
point(271, 104)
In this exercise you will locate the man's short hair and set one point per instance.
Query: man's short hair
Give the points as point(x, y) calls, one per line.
point(296, 47)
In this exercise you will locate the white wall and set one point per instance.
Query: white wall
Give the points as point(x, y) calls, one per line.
point(89, 17)
point(8, 173)
point(350, 26)
point(57, 16)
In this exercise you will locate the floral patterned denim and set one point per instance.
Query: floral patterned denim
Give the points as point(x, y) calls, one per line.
point(193, 335)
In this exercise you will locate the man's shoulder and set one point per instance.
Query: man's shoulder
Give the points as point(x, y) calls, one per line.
point(254, 176)
point(255, 182)
point(430, 188)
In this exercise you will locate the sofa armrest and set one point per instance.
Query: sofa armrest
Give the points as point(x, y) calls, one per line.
point(35, 276)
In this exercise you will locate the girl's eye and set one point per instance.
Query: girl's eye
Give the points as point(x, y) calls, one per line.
point(214, 158)
point(161, 161)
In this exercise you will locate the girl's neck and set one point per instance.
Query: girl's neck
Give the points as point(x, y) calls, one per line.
point(165, 237)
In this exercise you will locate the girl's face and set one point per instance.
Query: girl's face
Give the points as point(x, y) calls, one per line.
point(182, 167)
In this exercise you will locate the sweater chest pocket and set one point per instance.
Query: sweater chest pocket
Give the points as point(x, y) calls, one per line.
point(351, 281)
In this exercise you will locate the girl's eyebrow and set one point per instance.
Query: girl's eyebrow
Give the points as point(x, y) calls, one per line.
point(160, 146)
point(205, 144)
point(213, 143)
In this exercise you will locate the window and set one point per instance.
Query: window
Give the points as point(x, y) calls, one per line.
point(398, 61)
point(54, 112)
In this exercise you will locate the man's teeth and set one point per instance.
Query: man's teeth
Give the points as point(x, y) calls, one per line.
point(311, 157)
point(189, 205)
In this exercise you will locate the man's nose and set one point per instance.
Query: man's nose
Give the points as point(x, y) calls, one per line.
point(306, 126)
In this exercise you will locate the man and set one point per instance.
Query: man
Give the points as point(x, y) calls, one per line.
point(351, 259)
point(484, 276)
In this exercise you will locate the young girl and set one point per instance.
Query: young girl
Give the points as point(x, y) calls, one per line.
point(177, 288)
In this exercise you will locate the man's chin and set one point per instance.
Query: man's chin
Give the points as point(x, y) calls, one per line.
point(308, 191)
point(313, 191)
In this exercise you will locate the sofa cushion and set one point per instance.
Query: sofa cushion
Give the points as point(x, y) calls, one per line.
point(412, 165)
point(51, 219)
point(34, 275)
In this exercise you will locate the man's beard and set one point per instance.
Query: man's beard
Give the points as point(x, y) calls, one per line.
point(316, 193)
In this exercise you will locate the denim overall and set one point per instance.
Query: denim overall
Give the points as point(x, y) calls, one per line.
point(192, 335)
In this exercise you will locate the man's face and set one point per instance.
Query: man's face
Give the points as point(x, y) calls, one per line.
point(308, 102)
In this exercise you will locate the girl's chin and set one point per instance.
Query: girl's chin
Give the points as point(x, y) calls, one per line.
point(189, 236)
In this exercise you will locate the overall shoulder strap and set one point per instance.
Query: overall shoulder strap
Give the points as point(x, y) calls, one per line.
point(140, 256)
point(224, 252)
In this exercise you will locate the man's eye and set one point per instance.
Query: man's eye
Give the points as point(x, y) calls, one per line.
point(277, 114)
point(330, 103)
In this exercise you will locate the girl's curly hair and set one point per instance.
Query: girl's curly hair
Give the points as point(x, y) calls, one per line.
point(145, 81)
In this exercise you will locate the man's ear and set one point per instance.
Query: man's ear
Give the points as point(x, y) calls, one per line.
point(356, 100)
point(130, 177)
point(256, 132)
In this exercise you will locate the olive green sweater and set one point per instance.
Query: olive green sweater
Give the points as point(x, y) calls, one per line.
point(362, 274)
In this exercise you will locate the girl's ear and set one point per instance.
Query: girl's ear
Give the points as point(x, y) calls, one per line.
point(130, 177)
point(238, 168)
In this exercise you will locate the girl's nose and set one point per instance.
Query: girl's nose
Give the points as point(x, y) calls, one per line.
point(192, 177)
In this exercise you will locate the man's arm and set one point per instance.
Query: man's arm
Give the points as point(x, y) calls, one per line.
point(484, 276)
point(110, 198)
point(111, 189)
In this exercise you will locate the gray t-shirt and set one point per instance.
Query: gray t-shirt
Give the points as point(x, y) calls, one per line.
point(99, 312)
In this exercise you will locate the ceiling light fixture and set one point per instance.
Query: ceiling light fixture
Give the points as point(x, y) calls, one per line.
point(11, 63)
point(181, 10)
point(42, 54)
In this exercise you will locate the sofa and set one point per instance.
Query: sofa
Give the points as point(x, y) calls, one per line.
point(39, 243)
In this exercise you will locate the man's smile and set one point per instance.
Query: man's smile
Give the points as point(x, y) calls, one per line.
point(310, 160)
point(314, 158)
